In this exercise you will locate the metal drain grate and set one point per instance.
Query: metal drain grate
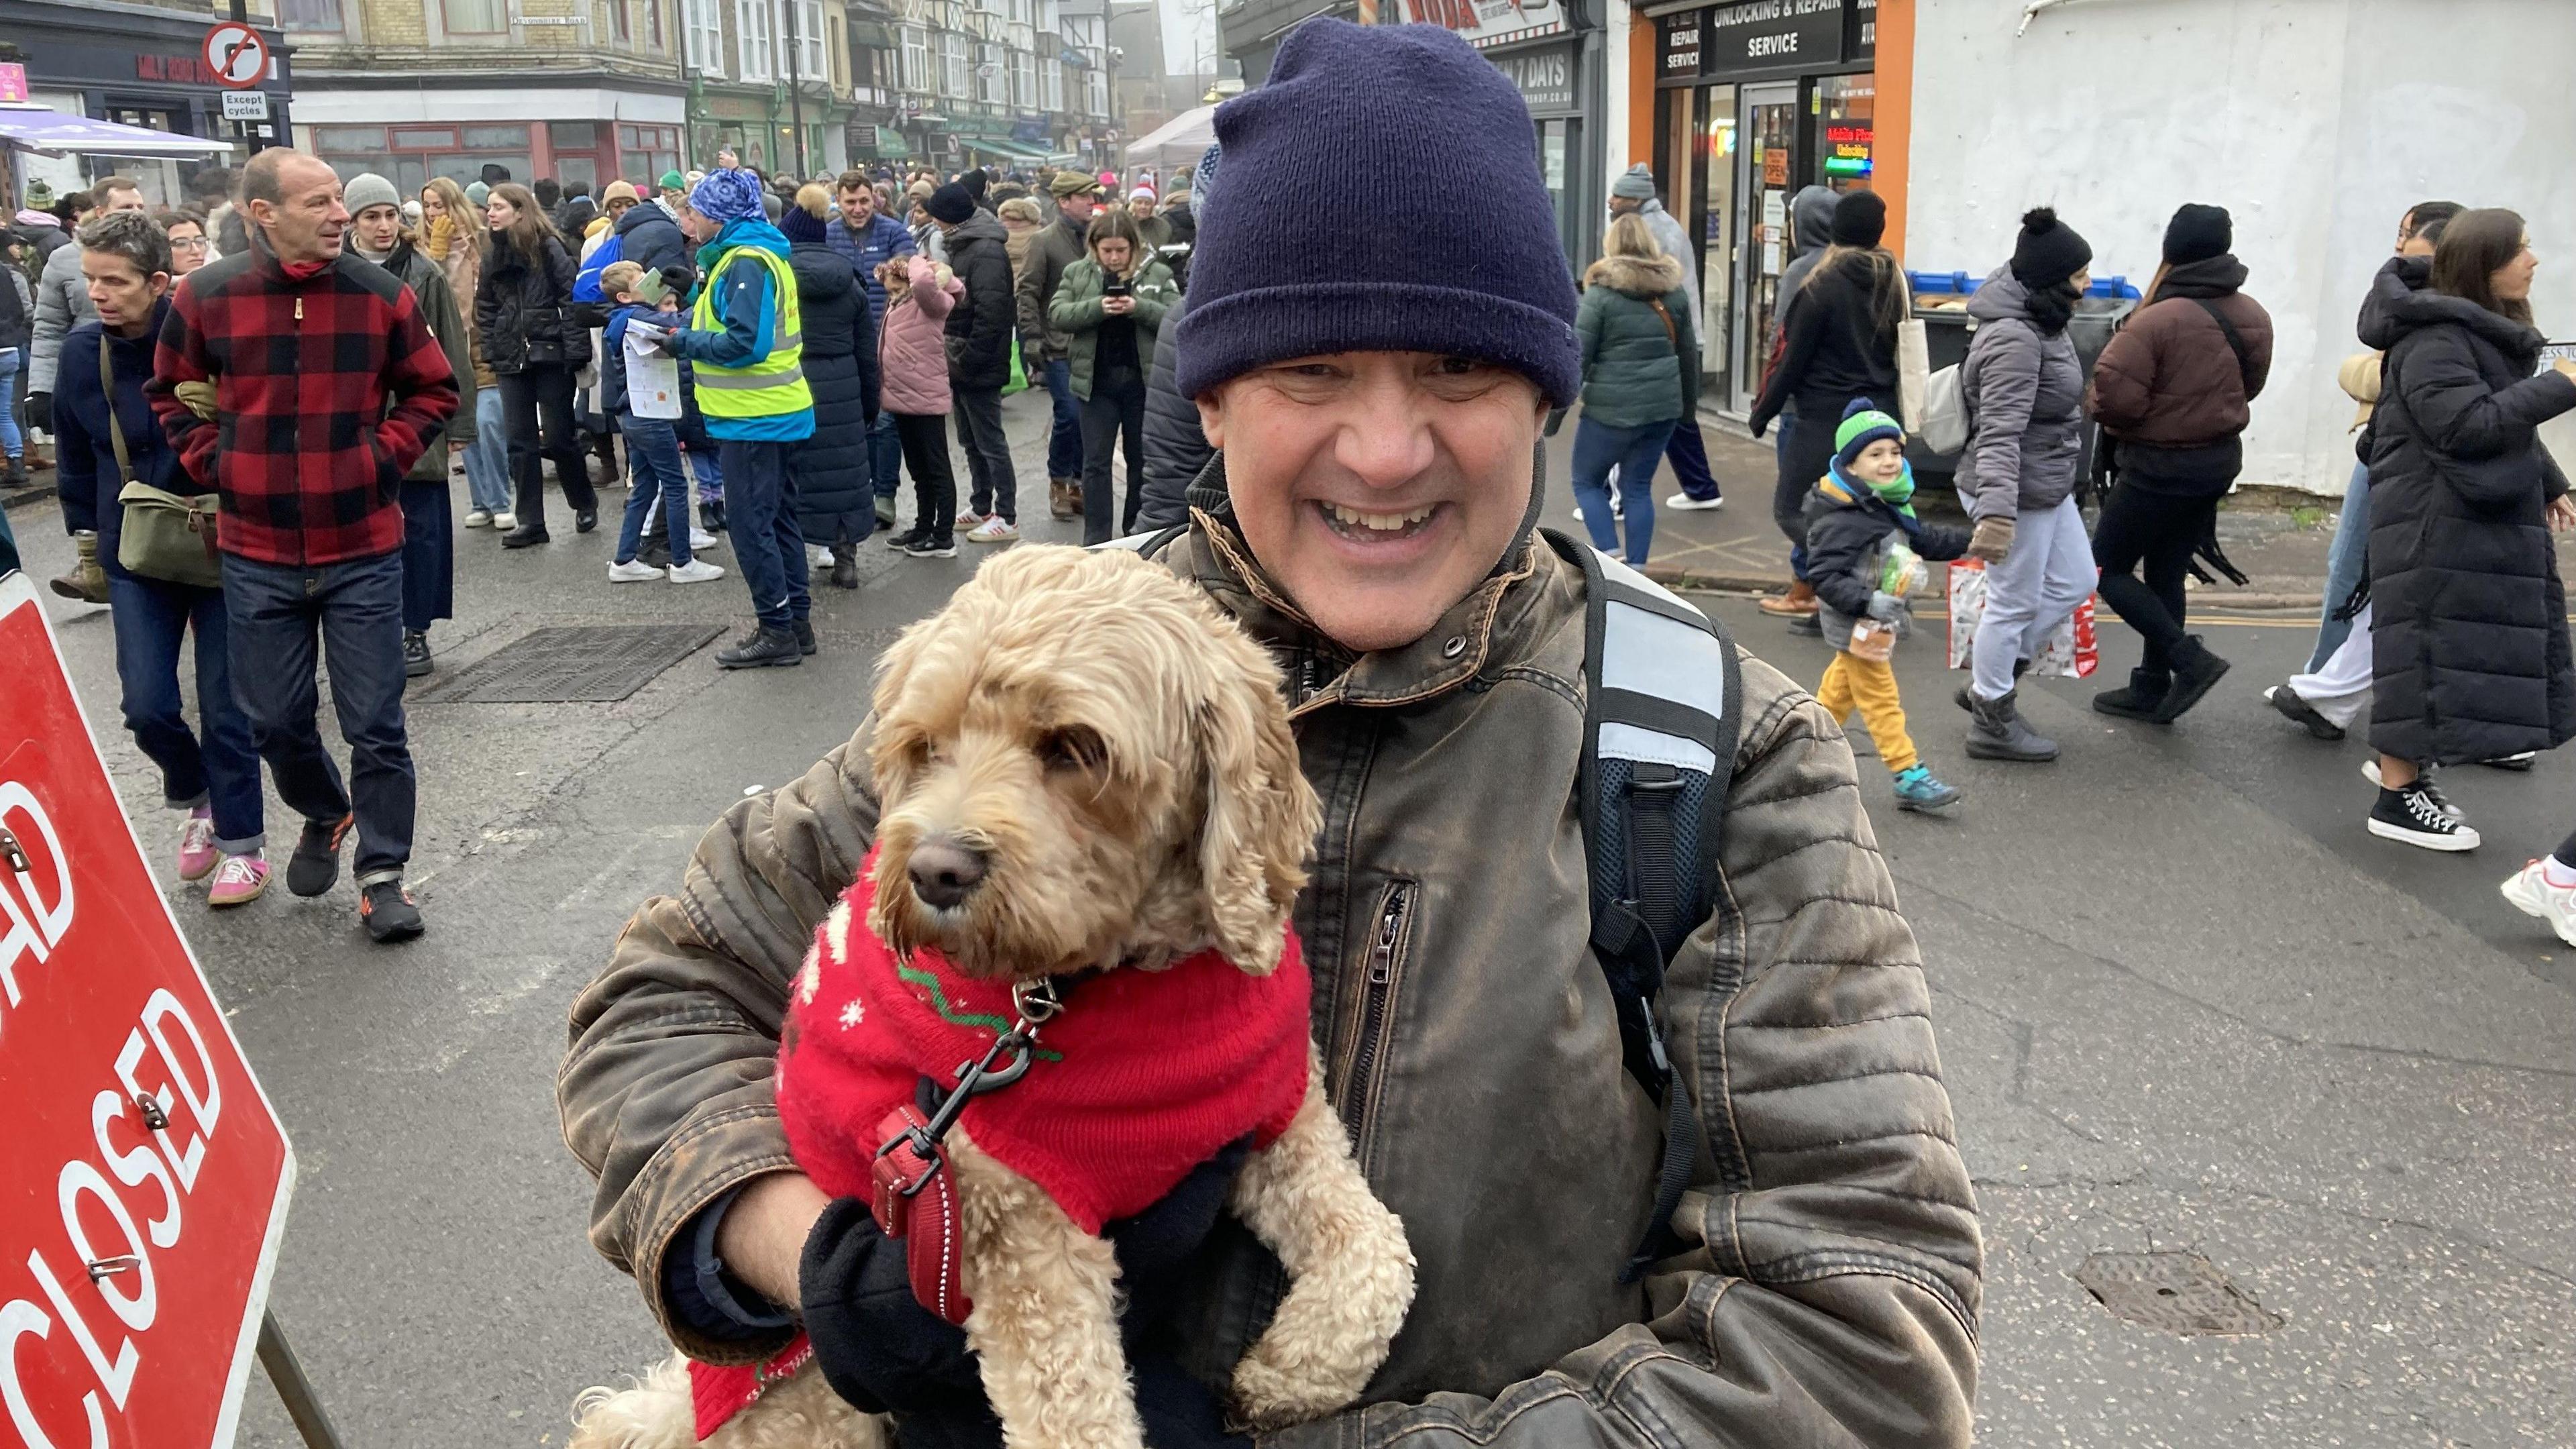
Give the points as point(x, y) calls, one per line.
point(2175, 1292)
point(587, 664)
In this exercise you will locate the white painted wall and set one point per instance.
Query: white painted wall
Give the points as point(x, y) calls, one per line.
point(2316, 122)
point(1614, 92)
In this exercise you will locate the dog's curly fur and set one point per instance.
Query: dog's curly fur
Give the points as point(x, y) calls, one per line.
point(1118, 754)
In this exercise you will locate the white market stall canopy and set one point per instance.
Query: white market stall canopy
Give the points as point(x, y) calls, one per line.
point(1175, 143)
point(50, 132)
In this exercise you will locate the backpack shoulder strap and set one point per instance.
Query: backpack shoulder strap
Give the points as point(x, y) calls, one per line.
point(1146, 544)
point(2235, 343)
point(1661, 716)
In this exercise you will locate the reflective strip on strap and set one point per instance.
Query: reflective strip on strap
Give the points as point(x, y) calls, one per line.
point(747, 381)
point(1646, 653)
point(1132, 543)
point(1634, 742)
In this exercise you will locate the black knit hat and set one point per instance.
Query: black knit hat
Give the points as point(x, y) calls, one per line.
point(1275, 276)
point(1860, 219)
point(951, 203)
point(2198, 233)
point(2048, 251)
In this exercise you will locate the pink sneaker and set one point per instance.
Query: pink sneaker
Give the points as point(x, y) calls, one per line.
point(197, 853)
point(238, 880)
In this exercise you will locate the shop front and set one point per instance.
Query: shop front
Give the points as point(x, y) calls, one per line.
point(1555, 58)
point(1756, 100)
point(409, 134)
point(137, 66)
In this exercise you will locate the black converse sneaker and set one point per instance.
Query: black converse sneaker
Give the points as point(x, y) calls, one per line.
point(2415, 816)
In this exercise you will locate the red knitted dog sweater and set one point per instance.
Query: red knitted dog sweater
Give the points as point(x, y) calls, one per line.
point(1144, 1076)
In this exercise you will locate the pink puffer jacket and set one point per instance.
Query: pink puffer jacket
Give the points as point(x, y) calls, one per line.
point(910, 349)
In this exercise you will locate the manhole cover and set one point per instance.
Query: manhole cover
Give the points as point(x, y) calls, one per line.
point(2176, 1292)
point(583, 664)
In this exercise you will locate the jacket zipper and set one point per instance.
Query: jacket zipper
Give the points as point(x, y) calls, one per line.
point(1385, 946)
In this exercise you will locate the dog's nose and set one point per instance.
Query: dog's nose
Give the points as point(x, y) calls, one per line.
point(943, 872)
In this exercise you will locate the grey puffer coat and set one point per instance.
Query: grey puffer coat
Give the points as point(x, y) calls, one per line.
point(2025, 396)
point(62, 303)
point(1828, 1292)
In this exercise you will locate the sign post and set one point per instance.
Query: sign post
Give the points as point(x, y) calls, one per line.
point(144, 1177)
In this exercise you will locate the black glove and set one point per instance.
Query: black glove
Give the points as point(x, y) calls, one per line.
point(40, 411)
point(882, 1351)
point(1178, 1411)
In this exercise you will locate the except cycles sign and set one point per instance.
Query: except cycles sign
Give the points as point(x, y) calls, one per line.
point(143, 1175)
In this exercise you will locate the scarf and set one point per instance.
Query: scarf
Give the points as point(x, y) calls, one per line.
point(1897, 493)
point(1146, 1074)
point(304, 271)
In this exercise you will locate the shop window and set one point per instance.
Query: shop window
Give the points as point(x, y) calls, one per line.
point(476, 17)
point(581, 169)
point(1845, 114)
point(574, 135)
point(500, 138)
point(343, 140)
point(436, 139)
point(309, 14)
point(702, 28)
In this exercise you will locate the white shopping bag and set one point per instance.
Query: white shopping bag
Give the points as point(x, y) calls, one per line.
point(2070, 652)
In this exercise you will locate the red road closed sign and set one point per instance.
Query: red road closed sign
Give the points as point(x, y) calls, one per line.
point(143, 1175)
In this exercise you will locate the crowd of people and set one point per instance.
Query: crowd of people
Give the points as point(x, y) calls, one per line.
point(2440, 565)
point(771, 356)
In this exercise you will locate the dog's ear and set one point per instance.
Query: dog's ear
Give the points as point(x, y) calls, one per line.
point(1260, 819)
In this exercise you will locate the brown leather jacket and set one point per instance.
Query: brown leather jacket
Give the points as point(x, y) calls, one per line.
point(1832, 1292)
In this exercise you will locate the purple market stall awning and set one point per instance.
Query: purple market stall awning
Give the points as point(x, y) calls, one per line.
point(35, 128)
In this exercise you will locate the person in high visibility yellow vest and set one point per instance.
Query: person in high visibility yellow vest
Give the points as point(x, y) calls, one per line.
point(745, 344)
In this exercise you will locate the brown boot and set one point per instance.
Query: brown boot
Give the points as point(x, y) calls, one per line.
point(1064, 498)
point(86, 582)
point(1798, 603)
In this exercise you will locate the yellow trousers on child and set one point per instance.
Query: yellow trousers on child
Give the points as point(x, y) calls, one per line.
point(1869, 685)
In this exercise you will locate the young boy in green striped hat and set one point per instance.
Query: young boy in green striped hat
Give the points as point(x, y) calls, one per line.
point(1863, 544)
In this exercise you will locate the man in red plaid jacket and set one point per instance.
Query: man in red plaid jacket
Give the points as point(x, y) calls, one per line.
point(300, 383)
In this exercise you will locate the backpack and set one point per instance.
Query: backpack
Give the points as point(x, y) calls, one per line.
point(1945, 411)
point(585, 283)
point(1662, 686)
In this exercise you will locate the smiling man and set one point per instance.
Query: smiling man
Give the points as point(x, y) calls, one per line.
point(1370, 519)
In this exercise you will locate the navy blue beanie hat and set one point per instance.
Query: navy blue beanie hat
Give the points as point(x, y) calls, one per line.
point(1459, 255)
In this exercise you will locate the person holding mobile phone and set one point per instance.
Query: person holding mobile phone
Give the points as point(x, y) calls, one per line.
point(1111, 304)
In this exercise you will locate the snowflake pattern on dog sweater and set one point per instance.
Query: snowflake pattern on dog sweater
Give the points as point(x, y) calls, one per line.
point(1145, 1074)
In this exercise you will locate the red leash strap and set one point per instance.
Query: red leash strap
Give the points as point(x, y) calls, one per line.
point(916, 1203)
point(717, 1393)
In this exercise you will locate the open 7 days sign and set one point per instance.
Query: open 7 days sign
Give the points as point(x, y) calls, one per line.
point(143, 1175)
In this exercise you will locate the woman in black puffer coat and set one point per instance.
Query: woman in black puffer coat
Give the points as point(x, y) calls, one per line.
point(2468, 631)
point(535, 338)
point(835, 503)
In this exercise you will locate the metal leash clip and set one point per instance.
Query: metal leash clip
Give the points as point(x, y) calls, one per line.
point(1037, 1003)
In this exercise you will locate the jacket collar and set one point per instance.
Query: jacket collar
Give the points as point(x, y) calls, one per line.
point(1471, 633)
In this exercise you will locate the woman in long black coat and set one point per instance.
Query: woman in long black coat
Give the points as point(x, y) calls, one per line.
point(534, 337)
point(2469, 647)
point(835, 503)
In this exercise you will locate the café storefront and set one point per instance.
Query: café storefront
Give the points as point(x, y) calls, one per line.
point(1755, 100)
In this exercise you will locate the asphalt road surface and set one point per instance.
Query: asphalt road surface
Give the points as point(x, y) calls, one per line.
point(2185, 1003)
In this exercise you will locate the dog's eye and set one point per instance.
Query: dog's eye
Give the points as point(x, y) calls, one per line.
point(1072, 748)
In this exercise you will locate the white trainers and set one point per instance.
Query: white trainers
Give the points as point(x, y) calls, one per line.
point(633, 571)
point(696, 571)
point(505, 520)
point(700, 539)
point(993, 530)
point(2532, 894)
point(1684, 503)
point(478, 518)
point(967, 520)
point(816, 556)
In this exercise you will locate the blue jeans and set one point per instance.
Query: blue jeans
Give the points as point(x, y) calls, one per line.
point(1689, 455)
point(653, 462)
point(885, 457)
point(1064, 445)
point(760, 509)
point(487, 458)
point(216, 765)
point(708, 465)
point(276, 613)
point(2346, 561)
point(1637, 451)
point(12, 442)
point(428, 555)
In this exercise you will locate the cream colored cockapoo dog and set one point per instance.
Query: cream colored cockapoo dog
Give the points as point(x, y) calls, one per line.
point(1086, 777)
